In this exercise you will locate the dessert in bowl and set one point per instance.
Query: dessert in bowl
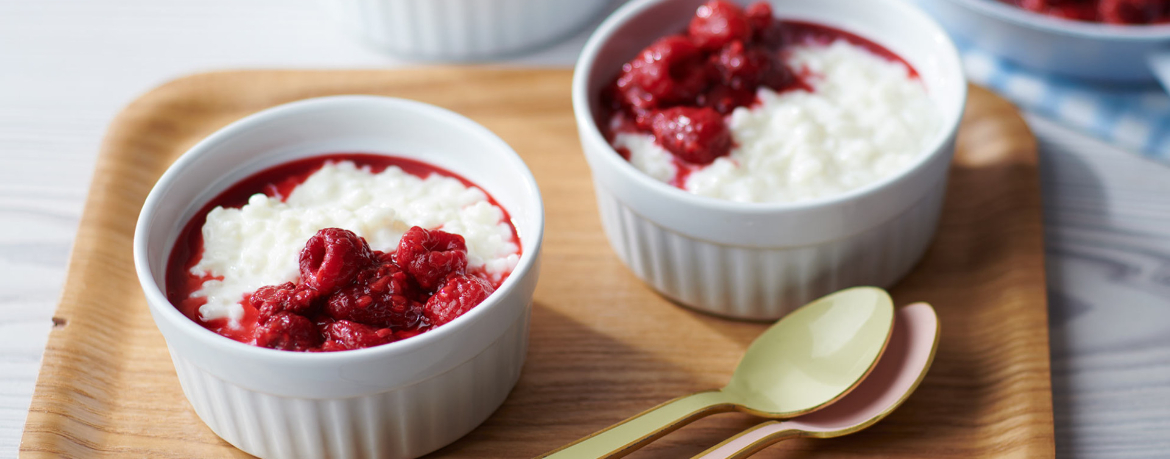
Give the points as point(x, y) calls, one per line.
point(272, 261)
point(775, 111)
point(749, 158)
point(344, 252)
point(1060, 41)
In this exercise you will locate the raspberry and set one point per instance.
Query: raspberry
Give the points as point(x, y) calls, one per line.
point(431, 256)
point(743, 68)
point(669, 71)
point(287, 331)
point(766, 30)
point(1131, 11)
point(288, 297)
point(694, 135)
point(343, 335)
point(759, 16)
point(718, 23)
point(332, 346)
point(351, 297)
point(458, 295)
point(1074, 11)
point(403, 334)
point(382, 296)
point(331, 258)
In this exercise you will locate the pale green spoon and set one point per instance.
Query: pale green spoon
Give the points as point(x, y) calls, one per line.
point(804, 362)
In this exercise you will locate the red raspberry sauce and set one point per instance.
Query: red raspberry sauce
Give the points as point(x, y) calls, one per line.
point(681, 87)
point(288, 329)
point(1121, 12)
point(799, 32)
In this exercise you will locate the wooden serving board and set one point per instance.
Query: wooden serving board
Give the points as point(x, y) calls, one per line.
point(603, 345)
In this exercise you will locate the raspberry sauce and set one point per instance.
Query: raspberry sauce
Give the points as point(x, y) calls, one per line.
point(681, 87)
point(348, 296)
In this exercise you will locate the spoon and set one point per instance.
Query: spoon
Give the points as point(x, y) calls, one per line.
point(902, 367)
point(806, 361)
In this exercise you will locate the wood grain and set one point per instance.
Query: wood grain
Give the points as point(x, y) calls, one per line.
point(603, 345)
point(1107, 232)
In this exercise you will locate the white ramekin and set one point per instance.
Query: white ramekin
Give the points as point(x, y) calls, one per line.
point(759, 261)
point(1103, 52)
point(461, 29)
point(399, 400)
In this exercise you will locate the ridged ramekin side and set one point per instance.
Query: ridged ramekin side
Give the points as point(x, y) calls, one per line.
point(760, 283)
point(405, 422)
point(461, 29)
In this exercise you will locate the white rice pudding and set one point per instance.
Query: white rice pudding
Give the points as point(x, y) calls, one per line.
point(867, 118)
point(260, 243)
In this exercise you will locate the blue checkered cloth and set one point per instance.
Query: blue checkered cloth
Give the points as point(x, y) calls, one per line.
point(1136, 118)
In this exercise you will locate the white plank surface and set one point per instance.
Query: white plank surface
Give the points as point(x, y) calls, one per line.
point(1107, 217)
point(67, 66)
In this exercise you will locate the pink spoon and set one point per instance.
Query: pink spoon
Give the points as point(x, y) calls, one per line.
point(905, 362)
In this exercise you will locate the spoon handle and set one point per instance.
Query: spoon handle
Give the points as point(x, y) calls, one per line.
point(623, 438)
point(750, 441)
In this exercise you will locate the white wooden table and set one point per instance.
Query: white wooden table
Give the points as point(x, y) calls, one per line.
point(67, 66)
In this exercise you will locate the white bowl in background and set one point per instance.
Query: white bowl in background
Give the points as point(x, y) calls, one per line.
point(461, 30)
point(760, 261)
point(1102, 52)
point(399, 400)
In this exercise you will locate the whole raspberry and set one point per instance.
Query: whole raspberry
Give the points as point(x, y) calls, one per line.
point(718, 23)
point(382, 296)
point(331, 258)
point(287, 331)
point(457, 296)
point(669, 71)
point(430, 256)
point(343, 335)
point(766, 30)
point(288, 297)
point(759, 16)
point(694, 135)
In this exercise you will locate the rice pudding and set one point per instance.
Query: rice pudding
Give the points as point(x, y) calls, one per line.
point(748, 108)
point(340, 252)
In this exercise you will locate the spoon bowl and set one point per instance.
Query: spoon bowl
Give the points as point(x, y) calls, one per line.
point(815, 355)
point(902, 366)
point(804, 362)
